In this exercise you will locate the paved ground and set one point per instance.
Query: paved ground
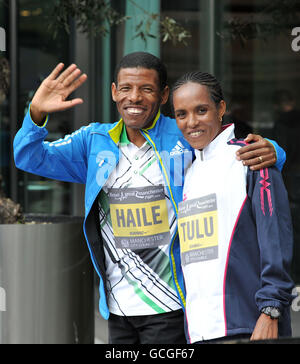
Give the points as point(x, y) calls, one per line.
point(101, 327)
point(101, 332)
point(296, 323)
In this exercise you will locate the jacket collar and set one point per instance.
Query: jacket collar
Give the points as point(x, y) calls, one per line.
point(117, 133)
point(216, 147)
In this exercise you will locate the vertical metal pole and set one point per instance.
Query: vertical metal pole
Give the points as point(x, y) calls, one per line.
point(137, 15)
point(211, 29)
point(82, 113)
point(211, 11)
point(13, 57)
point(207, 45)
point(106, 79)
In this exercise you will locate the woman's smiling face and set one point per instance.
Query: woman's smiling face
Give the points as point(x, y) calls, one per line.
point(197, 115)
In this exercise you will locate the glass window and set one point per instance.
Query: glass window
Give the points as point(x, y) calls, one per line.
point(263, 86)
point(4, 101)
point(39, 52)
point(247, 46)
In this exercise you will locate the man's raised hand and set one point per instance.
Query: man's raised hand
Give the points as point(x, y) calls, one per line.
point(53, 92)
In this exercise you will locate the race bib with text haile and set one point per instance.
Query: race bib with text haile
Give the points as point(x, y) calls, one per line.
point(139, 217)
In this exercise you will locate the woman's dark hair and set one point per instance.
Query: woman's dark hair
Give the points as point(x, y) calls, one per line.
point(143, 60)
point(204, 79)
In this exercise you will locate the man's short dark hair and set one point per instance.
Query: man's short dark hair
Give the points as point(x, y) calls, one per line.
point(143, 60)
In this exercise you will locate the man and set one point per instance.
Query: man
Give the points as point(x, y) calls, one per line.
point(132, 186)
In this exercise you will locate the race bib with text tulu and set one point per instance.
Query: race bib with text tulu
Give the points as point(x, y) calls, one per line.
point(198, 229)
point(139, 217)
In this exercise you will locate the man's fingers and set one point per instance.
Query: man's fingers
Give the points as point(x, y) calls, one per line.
point(247, 149)
point(70, 103)
point(57, 70)
point(64, 75)
point(77, 83)
point(72, 77)
point(253, 138)
point(260, 162)
point(249, 152)
point(258, 155)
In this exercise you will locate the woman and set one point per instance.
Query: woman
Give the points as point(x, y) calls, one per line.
point(234, 226)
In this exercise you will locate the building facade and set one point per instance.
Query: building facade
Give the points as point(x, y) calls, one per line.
point(252, 46)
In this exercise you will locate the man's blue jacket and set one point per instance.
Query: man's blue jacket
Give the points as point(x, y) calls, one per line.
point(89, 155)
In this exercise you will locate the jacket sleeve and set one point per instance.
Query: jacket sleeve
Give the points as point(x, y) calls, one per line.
point(280, 153)
point(64, 159)
point(270, 207)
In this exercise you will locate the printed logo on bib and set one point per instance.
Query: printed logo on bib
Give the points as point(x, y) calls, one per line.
point(198, 229)
point(139, 217)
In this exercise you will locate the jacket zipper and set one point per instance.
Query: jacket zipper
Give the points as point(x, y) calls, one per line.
point(201, 155)
point(176, 209)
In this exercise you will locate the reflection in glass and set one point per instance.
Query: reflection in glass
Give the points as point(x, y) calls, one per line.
point(251, 67)
point(39, 52)
point(4, 106)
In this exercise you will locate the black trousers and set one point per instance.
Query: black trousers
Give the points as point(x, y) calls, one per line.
point(164, 328)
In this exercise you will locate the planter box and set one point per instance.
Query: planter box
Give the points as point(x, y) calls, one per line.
point(46, 283)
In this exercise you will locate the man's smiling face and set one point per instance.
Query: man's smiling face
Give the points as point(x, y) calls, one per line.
point(138, 96)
